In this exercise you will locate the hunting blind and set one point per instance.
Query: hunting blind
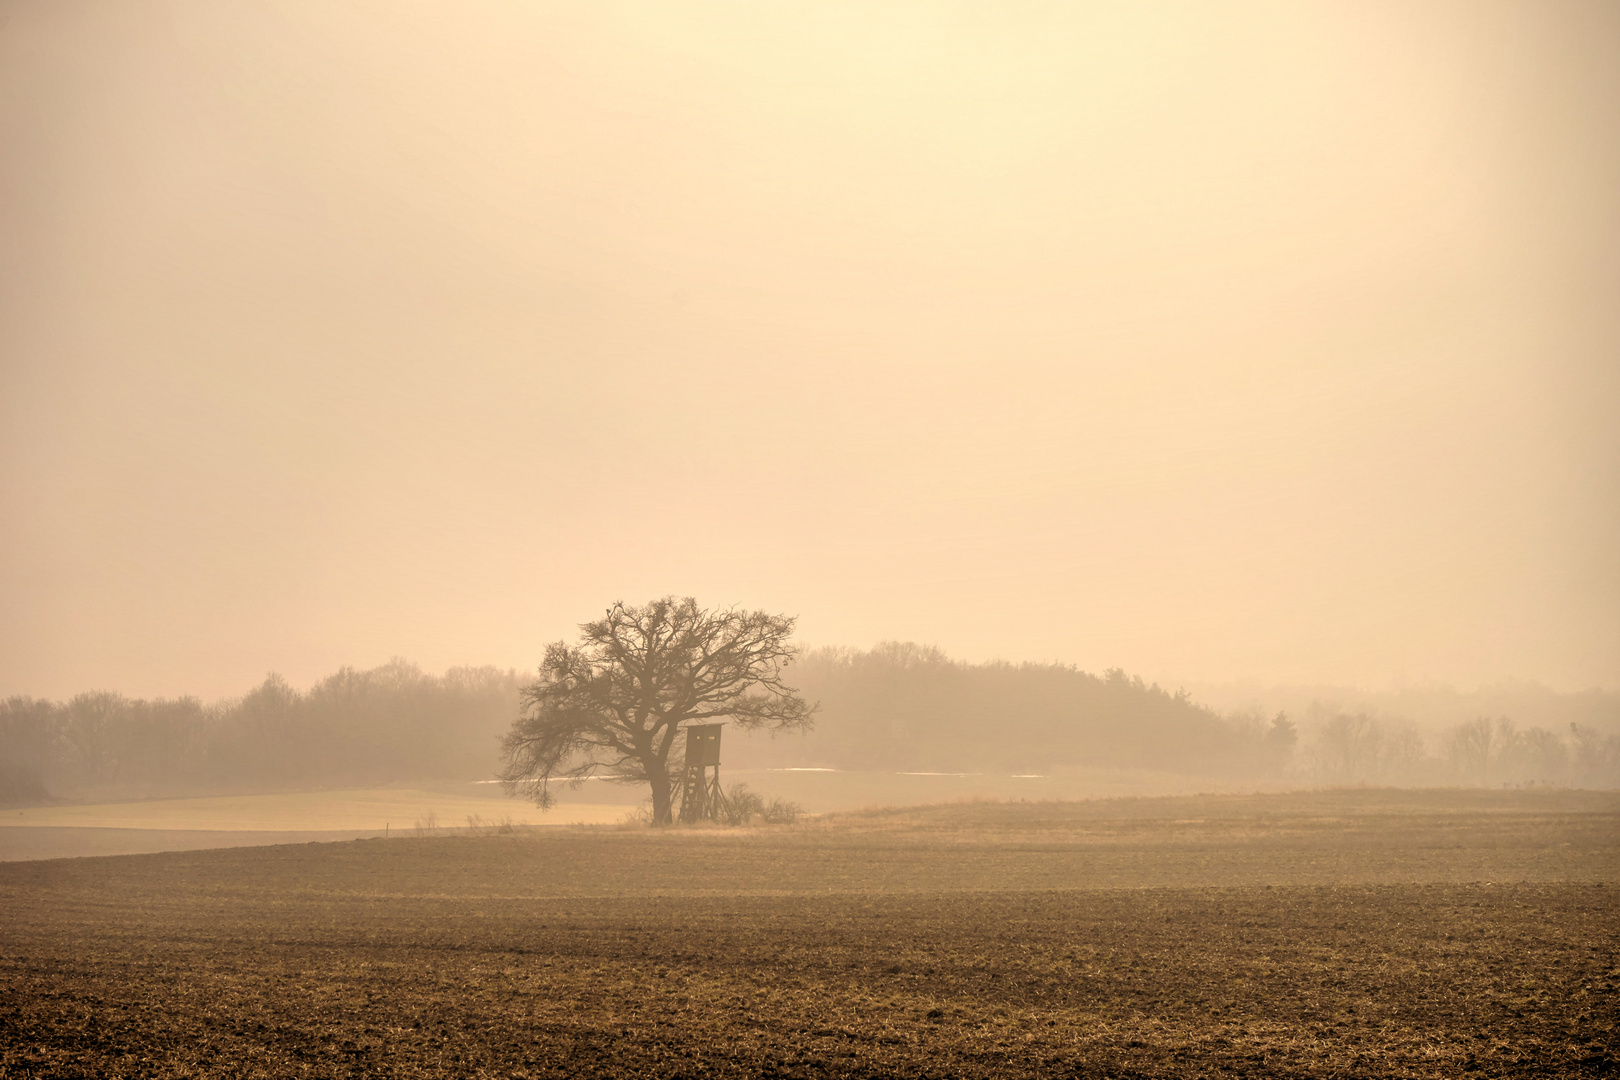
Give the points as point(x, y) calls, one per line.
point(701, 797)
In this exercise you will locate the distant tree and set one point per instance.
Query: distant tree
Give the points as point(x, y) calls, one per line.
point(1279, 741)
point(612, 705)
point(1475, 748)
point(1595, 758)
point(89, 729)
point(1542, 756)
point(1350, 748)
point(29, 729)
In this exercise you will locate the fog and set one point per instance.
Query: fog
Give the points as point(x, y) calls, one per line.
point(898, 723)
point(1267, 344)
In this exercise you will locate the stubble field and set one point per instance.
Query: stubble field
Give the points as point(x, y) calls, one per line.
point(1323, 934)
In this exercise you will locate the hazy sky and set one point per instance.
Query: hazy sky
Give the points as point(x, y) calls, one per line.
point(1216, 341)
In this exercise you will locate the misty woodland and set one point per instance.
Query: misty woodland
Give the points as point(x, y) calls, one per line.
point(897, 706)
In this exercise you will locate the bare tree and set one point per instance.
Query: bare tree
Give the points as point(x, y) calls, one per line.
point(611, 706)
point(1351, 748)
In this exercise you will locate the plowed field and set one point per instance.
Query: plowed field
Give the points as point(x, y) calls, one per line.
point(1329, 934)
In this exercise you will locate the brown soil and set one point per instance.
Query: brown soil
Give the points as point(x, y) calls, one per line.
point(1333, 934)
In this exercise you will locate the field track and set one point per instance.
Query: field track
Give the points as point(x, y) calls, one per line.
point(1355, 933)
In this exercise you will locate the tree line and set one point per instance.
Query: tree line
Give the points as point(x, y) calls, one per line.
point(1355, 748)
point(906, 707)
point(897, 707)
point(390, 724)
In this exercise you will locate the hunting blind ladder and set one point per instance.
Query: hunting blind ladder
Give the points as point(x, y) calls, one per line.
point(701, 797)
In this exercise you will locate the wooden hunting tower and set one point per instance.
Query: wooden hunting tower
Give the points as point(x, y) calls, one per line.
point(701, 797)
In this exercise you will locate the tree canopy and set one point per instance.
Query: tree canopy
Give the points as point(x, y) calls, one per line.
point(611, 705)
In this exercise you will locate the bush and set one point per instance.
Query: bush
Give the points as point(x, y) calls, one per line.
point(781, 812)
point(740, 805)
point(478, 825)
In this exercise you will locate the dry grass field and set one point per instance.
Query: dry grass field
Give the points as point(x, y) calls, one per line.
point(1348, 933)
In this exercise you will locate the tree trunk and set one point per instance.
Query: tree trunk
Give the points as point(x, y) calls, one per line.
point(658, 777)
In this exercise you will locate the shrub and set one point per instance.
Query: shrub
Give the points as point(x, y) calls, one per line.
point(781, 812)
point(740, 805)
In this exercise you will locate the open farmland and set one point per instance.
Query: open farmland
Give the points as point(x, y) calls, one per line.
point(132, 828)
point(66, 830)
point(1344, 933)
